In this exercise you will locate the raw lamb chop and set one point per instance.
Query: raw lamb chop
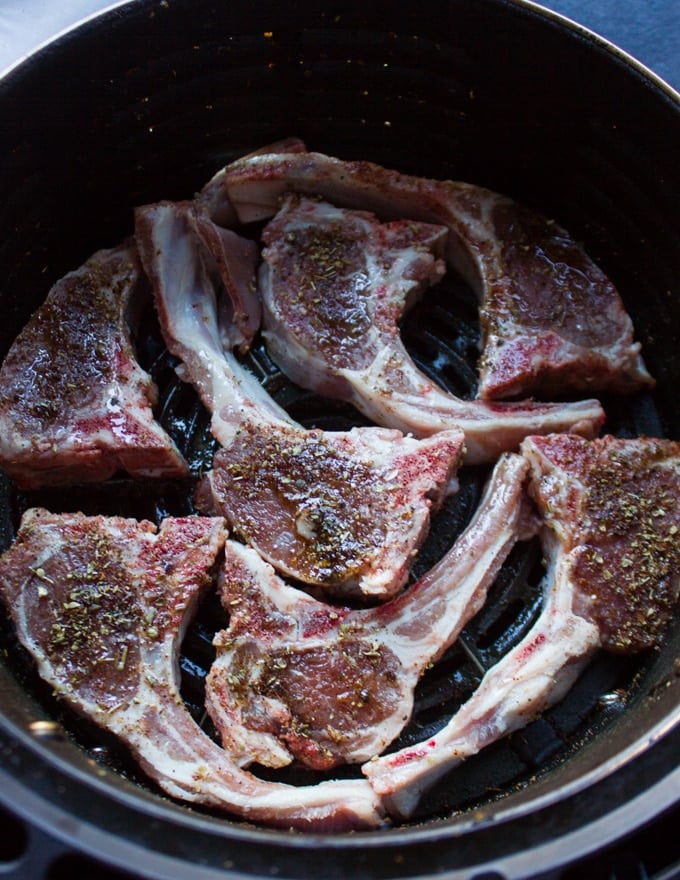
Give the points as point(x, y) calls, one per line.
point(551, 320)
point(614, 505)
point(342, 510)
point(335, 284)
point(75, 406)
point(102, 604)
point(298, 679)
point(612, 517)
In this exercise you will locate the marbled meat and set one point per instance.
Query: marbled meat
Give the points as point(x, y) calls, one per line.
point(75, 405)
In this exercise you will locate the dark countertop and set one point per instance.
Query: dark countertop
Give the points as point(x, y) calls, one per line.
point(649, 30)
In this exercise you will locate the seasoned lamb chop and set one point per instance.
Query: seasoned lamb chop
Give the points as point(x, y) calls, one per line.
point(102, 604)
point(551, 321)
point(335, 284)
point(298, 679)
point(614, 505)
point(75, 406)
point(346, 510)
point(611, 510)
point(342, 510)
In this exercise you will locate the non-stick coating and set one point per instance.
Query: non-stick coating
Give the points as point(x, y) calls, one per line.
point(148, 102)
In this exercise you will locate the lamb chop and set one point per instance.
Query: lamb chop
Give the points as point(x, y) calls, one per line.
point(611, 510)
point(342, 510)
point(335, 284)
point(75, 406)
point(101, 604)
point(551, 320)
point(296, 678)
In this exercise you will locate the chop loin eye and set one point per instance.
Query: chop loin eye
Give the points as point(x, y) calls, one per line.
point(342, 510)
point(614, 507)
point(75, 406)
point(551, 319)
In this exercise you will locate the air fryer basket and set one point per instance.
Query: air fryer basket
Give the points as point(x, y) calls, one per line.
point(147, 102)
